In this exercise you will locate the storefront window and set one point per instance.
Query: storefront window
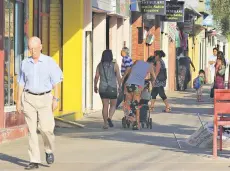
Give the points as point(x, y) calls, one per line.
point(14, 45)
point(19, 35)
point(36, 18)
point(41, 23)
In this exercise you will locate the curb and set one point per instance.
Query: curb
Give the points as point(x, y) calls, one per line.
point(61, 123)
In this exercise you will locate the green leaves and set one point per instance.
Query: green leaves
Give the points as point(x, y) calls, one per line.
point(221, 13)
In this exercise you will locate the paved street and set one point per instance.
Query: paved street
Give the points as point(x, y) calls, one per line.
point(93, 149)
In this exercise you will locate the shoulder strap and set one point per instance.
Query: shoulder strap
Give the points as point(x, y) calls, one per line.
point(104, 72)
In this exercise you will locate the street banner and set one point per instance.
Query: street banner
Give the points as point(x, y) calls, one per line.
point(174, 11)
point(172, 30)
point(156, 7)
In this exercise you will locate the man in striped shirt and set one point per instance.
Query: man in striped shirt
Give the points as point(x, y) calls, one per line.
point(126, 64)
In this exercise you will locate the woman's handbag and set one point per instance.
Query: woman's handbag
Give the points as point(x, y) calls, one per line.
point(222, 70)
point(110, 91)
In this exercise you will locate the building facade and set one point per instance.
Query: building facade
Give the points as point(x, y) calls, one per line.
point(109, 29)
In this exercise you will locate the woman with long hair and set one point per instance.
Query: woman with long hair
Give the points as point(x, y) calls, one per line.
point(109, 74)
point(220, 68)
point(160, 82)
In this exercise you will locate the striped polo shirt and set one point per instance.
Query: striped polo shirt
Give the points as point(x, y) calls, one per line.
point(126, 62)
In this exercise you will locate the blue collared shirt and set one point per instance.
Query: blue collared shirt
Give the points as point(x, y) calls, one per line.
point(41, 76)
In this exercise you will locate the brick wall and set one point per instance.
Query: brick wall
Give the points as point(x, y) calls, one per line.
point(171, 66)
point(141, 51)
point(137, 46)
point(157, 34)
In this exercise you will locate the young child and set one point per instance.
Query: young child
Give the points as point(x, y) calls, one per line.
point(198, 83)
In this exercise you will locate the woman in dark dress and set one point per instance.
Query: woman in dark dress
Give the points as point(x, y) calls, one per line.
point(109, 74)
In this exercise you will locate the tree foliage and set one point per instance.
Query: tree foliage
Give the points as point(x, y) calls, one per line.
point(221, 13)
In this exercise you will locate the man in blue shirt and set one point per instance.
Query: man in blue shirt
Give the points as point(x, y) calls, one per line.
point(125, 65)
point(38, 76)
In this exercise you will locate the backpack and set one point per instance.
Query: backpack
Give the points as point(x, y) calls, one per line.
point(196, 83)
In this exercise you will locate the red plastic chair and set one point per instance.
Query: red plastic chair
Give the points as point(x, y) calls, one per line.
point(221, 107)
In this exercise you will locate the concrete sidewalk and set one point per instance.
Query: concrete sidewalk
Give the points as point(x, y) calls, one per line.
point(94, 149)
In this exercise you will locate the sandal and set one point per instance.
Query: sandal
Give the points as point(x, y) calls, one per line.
point(135, 126)
point(167, 110)
point(151, 108)
point(105, 127)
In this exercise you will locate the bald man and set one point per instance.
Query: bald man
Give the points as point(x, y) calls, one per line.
point(38, 76)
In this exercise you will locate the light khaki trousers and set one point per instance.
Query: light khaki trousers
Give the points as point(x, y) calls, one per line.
point(39, 115)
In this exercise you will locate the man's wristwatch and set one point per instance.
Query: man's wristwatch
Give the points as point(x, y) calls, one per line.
point(56, 99)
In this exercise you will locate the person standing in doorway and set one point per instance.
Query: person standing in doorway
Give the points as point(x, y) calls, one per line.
point(212, 62)
point(38, 76)
point(125, 65)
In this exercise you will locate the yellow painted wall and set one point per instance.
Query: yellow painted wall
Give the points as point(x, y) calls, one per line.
point(72, 56)
point(55, 37)
point(194, 55)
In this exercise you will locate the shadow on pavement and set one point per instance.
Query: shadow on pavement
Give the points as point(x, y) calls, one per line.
point(16, 160)
point(165, 143)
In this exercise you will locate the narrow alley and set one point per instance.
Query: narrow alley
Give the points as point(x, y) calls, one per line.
point(94, 149)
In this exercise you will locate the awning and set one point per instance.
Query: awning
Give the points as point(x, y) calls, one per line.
point(98, 10)
point(221, 38)
point(192, 10)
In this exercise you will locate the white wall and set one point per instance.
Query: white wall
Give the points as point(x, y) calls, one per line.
point(126, 32)
point(87, 27)
point(113, 35)
point(120, 40)
point(99, 45)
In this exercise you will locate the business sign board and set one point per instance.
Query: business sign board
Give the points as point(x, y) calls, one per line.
point(188, 26)
point(157, 7)
point(174, 11)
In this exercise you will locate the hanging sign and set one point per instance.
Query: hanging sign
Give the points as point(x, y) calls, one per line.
point(188, 26)
point(157, 7)
point(172, 30)
point(174, 11)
